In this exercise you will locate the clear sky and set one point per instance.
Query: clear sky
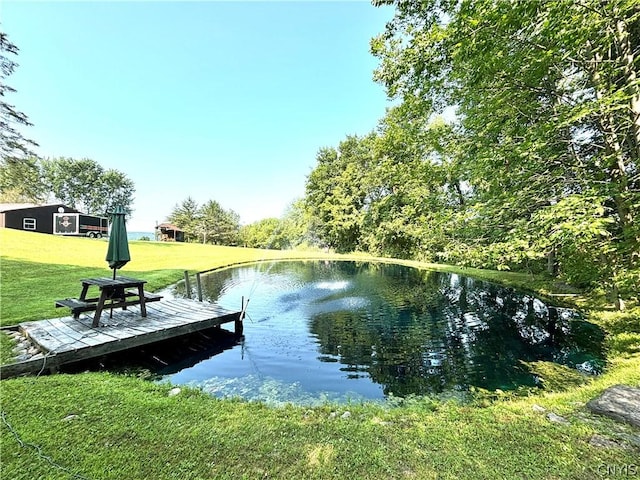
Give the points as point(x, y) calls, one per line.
point(225, 101)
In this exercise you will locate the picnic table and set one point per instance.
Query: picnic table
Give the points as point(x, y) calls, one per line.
point(119, 292)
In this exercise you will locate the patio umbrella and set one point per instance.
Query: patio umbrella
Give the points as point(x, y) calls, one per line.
point(118, 251)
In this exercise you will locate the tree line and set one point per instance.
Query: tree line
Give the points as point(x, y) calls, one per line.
point(539, 169)
point(207, 223)
point(213, 224)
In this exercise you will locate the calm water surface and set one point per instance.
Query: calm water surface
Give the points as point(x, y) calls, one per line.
point(347, 331)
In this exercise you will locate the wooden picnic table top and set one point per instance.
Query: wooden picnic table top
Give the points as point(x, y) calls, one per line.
point(123, 282)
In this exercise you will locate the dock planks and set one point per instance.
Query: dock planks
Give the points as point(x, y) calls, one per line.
point(66, 340)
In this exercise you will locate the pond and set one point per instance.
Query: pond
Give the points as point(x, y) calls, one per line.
point(338, 331)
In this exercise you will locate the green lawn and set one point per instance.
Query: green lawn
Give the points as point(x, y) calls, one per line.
point(106, 426)
point(36, 269)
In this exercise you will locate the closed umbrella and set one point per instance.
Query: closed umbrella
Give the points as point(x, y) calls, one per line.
point(118, 251)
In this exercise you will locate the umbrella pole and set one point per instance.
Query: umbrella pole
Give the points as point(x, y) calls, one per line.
point(111, 312)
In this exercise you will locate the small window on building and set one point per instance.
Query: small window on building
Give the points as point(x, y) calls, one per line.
point(29, 223)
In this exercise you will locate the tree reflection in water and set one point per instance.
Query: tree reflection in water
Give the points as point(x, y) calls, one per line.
point(410, 331)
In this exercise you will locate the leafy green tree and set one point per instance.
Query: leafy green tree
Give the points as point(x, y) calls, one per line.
point(12, 142)
point(21, 181)
point(209, 223)
point(406, 187)
point(85, 185)
point(548, 103)
point(265, 233)
point(186, 216)
point(392, 192)
point(217, 225)
point(296, 225)
point(115, 189)
point(292, 230)
point(319, 193)
point(336, 194)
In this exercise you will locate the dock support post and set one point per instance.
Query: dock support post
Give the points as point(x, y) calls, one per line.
point(239, 326)
point(187, 284)
point(199, 285)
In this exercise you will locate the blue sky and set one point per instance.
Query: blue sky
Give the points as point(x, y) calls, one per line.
point(225, 101)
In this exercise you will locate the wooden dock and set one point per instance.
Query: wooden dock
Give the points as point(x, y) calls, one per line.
point(66, 340)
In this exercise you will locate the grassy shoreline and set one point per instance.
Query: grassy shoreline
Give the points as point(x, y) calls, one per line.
point(105, 426)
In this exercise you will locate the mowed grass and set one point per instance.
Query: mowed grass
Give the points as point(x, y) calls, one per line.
point(145, 256)
point(107, 426)
point(104, 426)
point(37, 269)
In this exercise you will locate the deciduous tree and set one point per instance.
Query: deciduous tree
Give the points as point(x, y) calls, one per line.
point(336, 194)
point(21, 180)
point(85, 185)
point(548, 99)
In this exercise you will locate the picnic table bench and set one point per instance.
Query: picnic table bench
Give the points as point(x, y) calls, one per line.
point(120, 292)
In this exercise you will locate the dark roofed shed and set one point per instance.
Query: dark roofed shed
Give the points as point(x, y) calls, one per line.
point(168, 232)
